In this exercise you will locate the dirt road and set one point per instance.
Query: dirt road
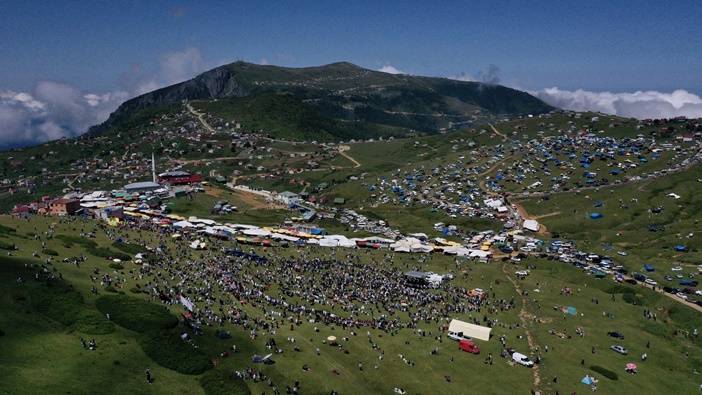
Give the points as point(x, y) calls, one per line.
point(342, 152)
point(199, 116)
point(497, 132)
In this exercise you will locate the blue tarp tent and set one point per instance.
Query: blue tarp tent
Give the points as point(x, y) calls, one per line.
point(649, 268)
point(680, 248)
point(572, 310)
point(587, 380)
point(596, 216)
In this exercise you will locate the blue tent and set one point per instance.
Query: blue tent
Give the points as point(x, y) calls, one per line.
point(587, 380)
point(596, 216)
point(572, 310)
point(649, 268)
point(680, 248)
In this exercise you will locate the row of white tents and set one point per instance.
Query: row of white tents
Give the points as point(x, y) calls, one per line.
point(407, 244)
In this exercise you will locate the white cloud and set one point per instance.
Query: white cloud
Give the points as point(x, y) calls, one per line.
point(462, 76)
point(54, 110)
point(639, 104)
point(391, 69)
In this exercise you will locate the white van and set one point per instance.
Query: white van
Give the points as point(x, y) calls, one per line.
point(522, 360)
point(457, 336)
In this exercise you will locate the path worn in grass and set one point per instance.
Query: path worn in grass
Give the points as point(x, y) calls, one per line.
point(524, 318)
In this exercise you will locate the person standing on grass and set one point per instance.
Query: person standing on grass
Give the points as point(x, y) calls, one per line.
point(149, 377)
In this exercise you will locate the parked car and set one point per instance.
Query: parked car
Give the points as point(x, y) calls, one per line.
point(619, 349)
point(617, 335)
point(650, 282)
point(522, 359)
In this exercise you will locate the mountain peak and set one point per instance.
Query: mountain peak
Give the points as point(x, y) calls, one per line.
point(346, 93)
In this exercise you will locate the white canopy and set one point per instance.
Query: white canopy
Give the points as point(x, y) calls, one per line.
point(470, 330)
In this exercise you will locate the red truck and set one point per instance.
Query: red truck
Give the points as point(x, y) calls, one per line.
point(468, 346)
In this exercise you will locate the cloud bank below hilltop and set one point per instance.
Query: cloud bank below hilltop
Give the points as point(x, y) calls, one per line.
point(639, 104)
point(53, 110)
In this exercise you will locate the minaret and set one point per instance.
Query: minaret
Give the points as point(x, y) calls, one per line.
point(153, 166)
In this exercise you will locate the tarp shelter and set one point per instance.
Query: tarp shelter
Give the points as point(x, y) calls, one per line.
point(572, 310)
point(680, 248)
point(470, 330)
point(596, 216)
point(587, 380)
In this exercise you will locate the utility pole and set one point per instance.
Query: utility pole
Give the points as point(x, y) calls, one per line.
point(153, 166)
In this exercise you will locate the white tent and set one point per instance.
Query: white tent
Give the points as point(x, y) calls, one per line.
point(459, 251)
point(470, 330)
point(421, 248)
point(531, 225)
point(196, 220)
point(479, 254)
point(411, 244)
point(336, 241)
point(183, 224)
point(256, 232)
point(242, 226)
point(226, 229)
point(278, 236)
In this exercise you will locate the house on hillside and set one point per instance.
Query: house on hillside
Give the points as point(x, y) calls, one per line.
point(64, 206)
point(288, 197)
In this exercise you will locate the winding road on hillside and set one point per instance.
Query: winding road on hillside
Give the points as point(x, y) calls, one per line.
point(497, 132)
point(199, 116)
point(342, 152)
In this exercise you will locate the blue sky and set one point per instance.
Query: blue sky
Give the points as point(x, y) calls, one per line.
point(65, 65)
point(608, 45)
